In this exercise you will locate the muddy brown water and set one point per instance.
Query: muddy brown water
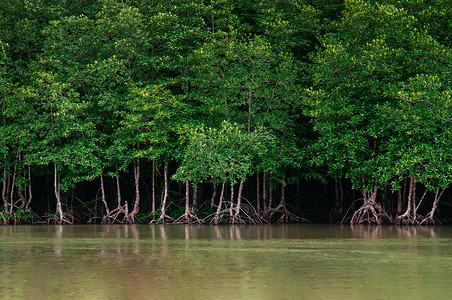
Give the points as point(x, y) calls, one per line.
point(297, 261)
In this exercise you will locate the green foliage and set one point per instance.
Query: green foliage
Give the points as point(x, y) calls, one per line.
point(224, 89)
point(290, 24)
point(224, 154)
point(376, 47)
point(420, 126)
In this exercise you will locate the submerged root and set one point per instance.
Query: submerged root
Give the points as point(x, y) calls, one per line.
point(370, 212)
point(114, 216)
point(286, 215)
point(60, 219)
point(188, 218)
point(163, 219)
point(246, 215)
point(406, 219)
point(430, 220)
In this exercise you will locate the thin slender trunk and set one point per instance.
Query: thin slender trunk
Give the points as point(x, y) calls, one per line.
point(187, 198)
point(341, 196)
point(264, 191)
point(413, 200)
point(136, 206)
point(270, 196)
point(258, 193)
point(405, 190)
point(56, 184)
point(21, 197)
point(165, 195)
point(410, 195)
point(399, 201)
point(438, 194)
point(232, 202)
point(30, 194)
point(220, 203)
point(239, 199)
point(195, 195)
point(8, 189)
point(118, 188)
point(5, 188)
point(11, 199)
point(104, 201)
point(214, 195)
point(282, 203)
point(153, 186)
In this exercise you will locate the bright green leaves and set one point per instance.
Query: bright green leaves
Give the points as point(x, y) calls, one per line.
point(228, 153)
point(357, 75)
point(243, 80)
point(150, 120)
point(420, 128)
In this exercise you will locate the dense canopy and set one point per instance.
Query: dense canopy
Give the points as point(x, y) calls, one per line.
point(225, 111)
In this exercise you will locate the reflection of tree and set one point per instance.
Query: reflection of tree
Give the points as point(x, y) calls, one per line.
point(379, 232)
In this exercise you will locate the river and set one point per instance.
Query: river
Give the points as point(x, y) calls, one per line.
point(295, 261)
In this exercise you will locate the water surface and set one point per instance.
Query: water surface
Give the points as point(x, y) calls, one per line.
point(298, 261)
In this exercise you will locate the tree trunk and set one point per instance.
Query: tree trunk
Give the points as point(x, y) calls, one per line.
point(239, 199)
point(270, 197)
point(258, 193)
point(5, 173)
point(407, 213)
point(413, 200)
point(264, 191)
point(195, 196)
point(282, 203)
point(165, 195)
point(136, 206)
point(220, 203)
point(187, 199)
point(30, 194)
point(11, 198)
point(118, 189)
point(104, 200)
point(56, 183)
point(153, 186)
point(341, 196)
point(214, 195)
point(370, 211)
point(430, 215)
point(232, 203)
point(5, 188)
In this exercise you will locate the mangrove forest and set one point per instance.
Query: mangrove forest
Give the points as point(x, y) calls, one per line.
point(225, 112)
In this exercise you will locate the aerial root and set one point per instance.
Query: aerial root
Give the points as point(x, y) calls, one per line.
point(367, 213)
point(286, 215)
point(188, 217)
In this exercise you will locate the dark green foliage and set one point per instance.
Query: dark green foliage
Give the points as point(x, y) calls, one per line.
point(220, 91)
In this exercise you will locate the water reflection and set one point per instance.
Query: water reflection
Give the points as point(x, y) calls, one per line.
point(379, 232)
point(236, 232)
point(290, 261)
